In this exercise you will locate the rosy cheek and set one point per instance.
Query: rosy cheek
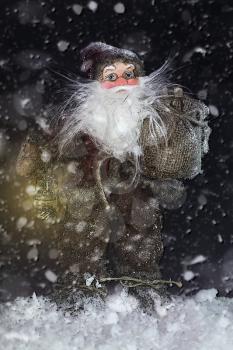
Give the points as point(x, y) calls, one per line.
point(133, 81)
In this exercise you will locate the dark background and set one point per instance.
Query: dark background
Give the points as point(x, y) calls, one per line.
point(39, 53)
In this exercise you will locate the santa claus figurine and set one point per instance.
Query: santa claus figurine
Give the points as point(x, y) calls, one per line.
point(125, 142)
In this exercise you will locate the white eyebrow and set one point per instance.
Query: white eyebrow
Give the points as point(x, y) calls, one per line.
point(109, 67)
point(130, 65)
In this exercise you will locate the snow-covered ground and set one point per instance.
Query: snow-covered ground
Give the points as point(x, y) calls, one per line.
point(202, 322)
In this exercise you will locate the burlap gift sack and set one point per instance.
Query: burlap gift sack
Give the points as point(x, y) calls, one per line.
point(187, 140)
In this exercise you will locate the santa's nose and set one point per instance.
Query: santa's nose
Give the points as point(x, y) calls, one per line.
point(119, 82)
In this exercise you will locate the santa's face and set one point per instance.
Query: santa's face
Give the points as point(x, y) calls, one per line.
point(111, 110)
point(119, 76)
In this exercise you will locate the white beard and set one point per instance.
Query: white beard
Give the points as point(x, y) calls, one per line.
point(114, 119)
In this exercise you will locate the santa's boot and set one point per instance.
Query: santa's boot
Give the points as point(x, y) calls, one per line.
point(135, 255)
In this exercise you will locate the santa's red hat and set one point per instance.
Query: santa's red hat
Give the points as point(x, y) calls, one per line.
point(97, 55)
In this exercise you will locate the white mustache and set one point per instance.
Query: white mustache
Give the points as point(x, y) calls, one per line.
point(123, 88)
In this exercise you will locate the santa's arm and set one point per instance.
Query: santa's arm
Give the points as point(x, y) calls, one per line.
point(180, 155)
point(37, 152)
point(29, 157)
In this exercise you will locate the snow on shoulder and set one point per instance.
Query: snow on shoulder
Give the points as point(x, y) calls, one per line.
point(201, 322)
